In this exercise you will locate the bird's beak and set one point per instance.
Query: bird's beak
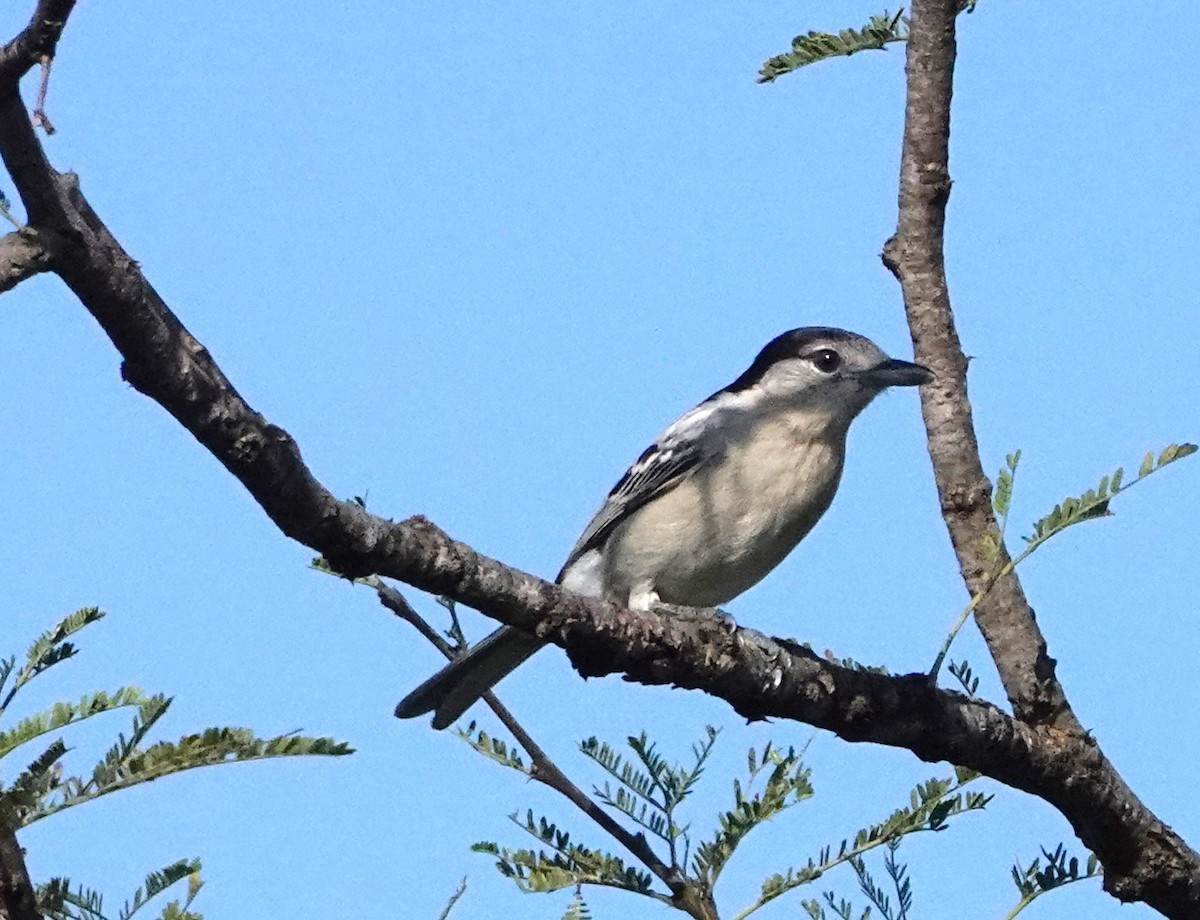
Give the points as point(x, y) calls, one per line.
point(894, 373)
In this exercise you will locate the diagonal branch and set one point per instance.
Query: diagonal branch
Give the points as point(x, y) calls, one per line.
point(544, 770)
point(915, 255)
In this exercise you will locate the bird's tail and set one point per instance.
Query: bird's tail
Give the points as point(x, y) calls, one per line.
point(453, 689)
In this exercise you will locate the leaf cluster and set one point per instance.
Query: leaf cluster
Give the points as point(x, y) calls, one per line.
point(59, 901)
point(812, 47)
point(565, 864)
point(1094, 502)
point(646, 789)
point(43, 787)
point(1057, 870)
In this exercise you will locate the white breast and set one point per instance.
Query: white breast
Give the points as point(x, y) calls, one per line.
point(725, 527)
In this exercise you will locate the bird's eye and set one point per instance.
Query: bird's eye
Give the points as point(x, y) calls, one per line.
point(826, 360)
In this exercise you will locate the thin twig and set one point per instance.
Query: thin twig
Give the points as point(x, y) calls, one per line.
point(542, 768)
point(458, 893)
point(40, 119)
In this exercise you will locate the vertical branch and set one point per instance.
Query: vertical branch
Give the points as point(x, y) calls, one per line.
point(915, 255)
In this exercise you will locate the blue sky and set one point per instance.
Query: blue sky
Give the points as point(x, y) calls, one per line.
point(473, 257)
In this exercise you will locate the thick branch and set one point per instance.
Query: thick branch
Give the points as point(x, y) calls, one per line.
point(1160, 869)
point(25, 253)
point(36, 41)
point(915, 256)
point(17, 898)
point(1143, 858)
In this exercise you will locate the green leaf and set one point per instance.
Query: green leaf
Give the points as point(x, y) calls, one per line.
point(493, 748)
point(49, 649)
point(568, 864)
point(1147, 465)
point(63, 714)
point(125, 767)
point(812, 47)
point(158, 882)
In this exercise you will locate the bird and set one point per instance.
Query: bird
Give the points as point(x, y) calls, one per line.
point(719, 499)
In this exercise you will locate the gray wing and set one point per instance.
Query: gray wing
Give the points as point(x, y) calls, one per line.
point(673, 457)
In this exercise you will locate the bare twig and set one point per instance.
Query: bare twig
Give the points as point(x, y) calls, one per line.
point(545, 770)
point(458, 893)
point(40, 118)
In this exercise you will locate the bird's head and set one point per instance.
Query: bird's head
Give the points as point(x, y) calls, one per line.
point(829, 371)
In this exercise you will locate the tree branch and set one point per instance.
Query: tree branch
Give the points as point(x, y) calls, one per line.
point(915, 255)
point(36, 41)
point(18, 901)
point(1161, 869)
point(759, 677)
point(25, 253)
point(546, 771)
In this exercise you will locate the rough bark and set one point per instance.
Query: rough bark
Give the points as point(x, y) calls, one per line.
point(17, 898)
point(1152, 864)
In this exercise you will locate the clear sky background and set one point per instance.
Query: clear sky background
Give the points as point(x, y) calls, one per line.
point(473, 257)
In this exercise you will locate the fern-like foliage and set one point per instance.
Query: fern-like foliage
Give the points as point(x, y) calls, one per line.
point(125, 766)
point(931, 806)
point(578, 909)
point(493, 748)
point(567, 864)
point(1057, 869)
point(57, 900)
point(645, 788)
point(150, 708)
point(42, 789)
point(786, 782)
point(49, 649)
point(1094, 503)
point(651, 788)
point(897, 872)
point(1089, 506)
point(812, 47)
